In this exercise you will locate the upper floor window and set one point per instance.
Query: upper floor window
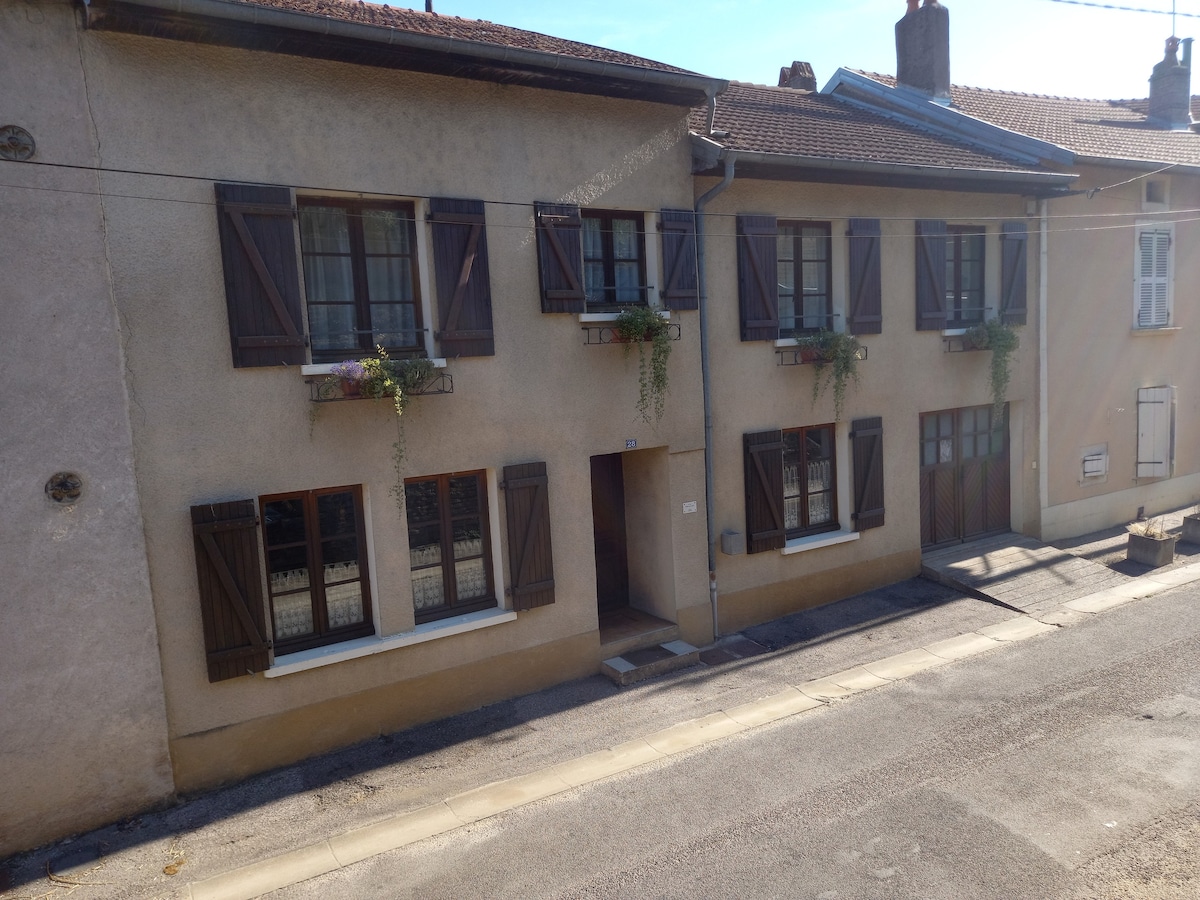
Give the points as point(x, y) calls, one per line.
point(1153, 270)
point(964, 276)
point(805, 275)
point(360, 277)
point(614, 259)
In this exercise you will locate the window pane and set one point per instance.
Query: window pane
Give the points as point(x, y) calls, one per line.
point(386, 231)
point(785, 242)
point(324, 229)
point(819, 511)
point(628, 289)
point(343, 603)
point(340, 559)
point(470, 579)
point(421, 501)
point(335, 514)
point(625, 239)
point(593, 282)
point(389, 279)
point(464, 496)
point(328, 279)
point(593, 239)
point(468, 541)
point(425, 546)
point(814, 244)
point(288, 569)
point(333, 327)
point(283, 521)
point(395, 325)
point(292, 615)
point(428, 589)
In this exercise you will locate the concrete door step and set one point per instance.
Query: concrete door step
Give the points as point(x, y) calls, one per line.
point(638, 665)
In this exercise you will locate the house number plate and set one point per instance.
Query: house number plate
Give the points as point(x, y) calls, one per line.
point(630, 444)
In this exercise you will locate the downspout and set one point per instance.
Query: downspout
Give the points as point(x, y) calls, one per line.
point(1043, 362)
point(706, 380)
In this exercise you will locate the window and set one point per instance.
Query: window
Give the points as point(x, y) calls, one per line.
point(1153, 267)
point(964, 276)
point(309, 533)
point(449, 548)
point(360, 277)
point(791, 478)
point(361, 263)
point(809, 481)
point(614, 267)
point(805, 274)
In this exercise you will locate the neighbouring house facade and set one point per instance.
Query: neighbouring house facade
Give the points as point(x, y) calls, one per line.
point(240, 197)
point(822, 216)
point(1119, 427)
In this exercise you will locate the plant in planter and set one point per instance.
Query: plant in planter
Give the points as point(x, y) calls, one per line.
point(639, 324)
point(835, 357)
point(1149, 544)
point(1001, 339)
point(380, 376)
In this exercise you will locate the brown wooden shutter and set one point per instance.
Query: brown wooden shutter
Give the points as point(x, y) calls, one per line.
point(680, 275)
point(560, 257)
point(262, 280)
point(1013, 281)
point(758, 278)
point(231, 596)
point(764, 490)
point(931, 275)
point(464, 289)
point(530, 558)
point(866, 281)
point(866, 436)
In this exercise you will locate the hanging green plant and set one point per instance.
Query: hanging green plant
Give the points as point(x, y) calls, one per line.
point(638, 325)
point(1002, 340)
point(834, 356)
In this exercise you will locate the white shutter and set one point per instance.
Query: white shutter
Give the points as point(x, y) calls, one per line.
point(1153, 277)
point(1156, 432)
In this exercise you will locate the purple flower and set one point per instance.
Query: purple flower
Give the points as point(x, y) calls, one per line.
point(350, 369)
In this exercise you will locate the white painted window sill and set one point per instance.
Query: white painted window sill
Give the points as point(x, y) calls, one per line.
point(327, 368)
point(604, 317)
point(816, 541)
point(368, 646)
point(1166, 329)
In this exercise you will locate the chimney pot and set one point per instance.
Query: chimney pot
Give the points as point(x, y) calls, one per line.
point(798, 75)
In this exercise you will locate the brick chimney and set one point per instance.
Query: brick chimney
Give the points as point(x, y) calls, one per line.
point(923, 49)
point(798, 75)
point(1171, 87)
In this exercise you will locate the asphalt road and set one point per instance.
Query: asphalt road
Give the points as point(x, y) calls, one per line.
point(1065, 766)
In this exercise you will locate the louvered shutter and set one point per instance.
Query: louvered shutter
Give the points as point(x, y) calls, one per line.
point(763, 453)
point(866, 280)
point(560, 257)
point(931, 275)
point(866, 436)
point(1014, 239)
point(230, 581)
point(530, 557)
point(758, 278)
point(464, 289)
point(680, 275)
point(1153, 277)
point(1155, 421)
point(262, 280)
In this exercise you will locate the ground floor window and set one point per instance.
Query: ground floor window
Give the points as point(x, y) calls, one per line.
point(316, 567)
point(809, 481)
point(450, 552)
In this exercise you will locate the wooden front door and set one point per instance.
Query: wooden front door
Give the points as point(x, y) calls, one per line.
point(608, 528)
point(964, 476)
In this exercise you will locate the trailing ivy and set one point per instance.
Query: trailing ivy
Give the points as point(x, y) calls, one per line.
point(637, 325)
point(835, 361)
point(1002, 340)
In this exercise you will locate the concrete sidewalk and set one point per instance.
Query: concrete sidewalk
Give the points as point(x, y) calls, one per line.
point(296, 823)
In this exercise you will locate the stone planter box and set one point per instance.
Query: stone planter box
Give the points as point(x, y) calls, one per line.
point(1151, 551)
point(1191, 529)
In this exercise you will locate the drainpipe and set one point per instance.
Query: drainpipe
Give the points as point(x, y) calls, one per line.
point(1043, 362)
point(706, 378)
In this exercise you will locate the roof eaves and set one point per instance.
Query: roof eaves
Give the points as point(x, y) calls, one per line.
point(867, 93)
point(681, 88)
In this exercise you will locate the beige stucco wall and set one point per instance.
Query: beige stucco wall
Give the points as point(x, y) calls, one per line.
point(906, 373)
point(1096, 360)
point(204, 431)
point(83, 735)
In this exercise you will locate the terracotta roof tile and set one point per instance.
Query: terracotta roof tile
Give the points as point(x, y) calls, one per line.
point(476, 30)
point(1113, 129)
point(798, 123)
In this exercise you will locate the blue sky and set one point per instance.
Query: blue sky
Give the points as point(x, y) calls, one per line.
point(1039, 46)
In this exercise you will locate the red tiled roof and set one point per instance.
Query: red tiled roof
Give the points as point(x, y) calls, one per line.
point(798, 123)
point(455, 28)
point(1112, 129)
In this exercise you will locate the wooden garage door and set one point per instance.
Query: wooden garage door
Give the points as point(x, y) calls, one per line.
point(964, 476)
